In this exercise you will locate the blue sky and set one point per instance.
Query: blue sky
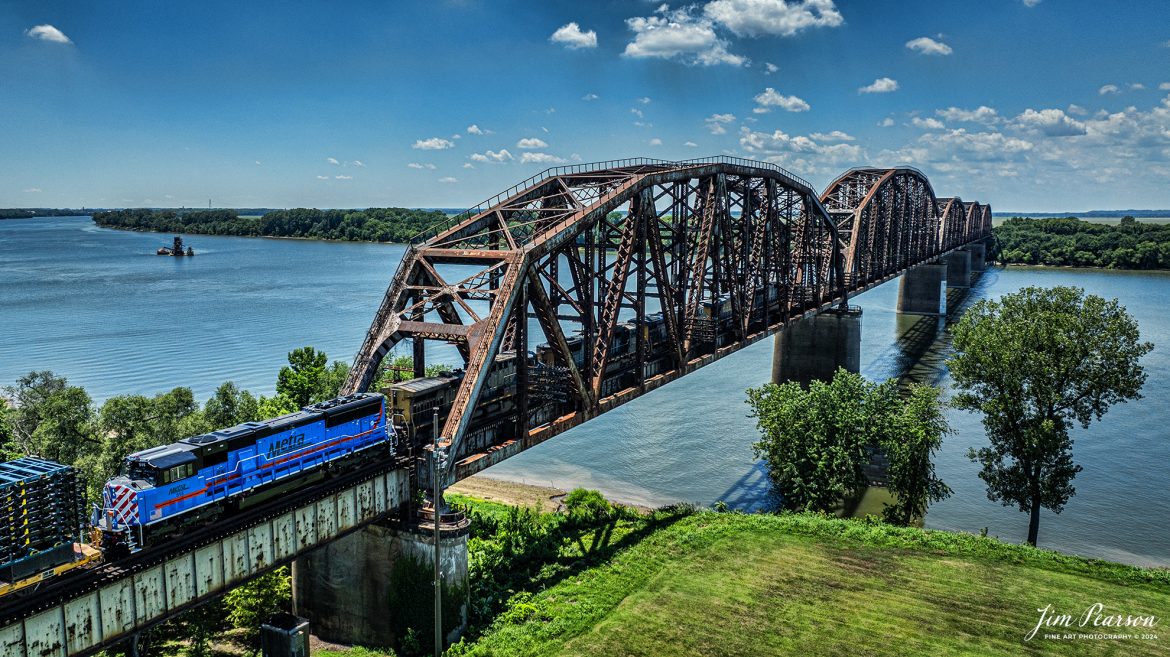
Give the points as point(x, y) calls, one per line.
point(1030, 105)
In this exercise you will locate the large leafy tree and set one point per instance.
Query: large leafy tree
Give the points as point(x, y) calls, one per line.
point(303, 380)
point(50, 418)
point(916, 430)
point(817, 442)
point(1035, 363)
point(230, 406)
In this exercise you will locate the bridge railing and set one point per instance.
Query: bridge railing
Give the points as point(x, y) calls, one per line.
point(572, 169)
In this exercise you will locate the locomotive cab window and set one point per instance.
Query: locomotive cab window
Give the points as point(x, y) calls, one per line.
point(178, 473)
point(139, 471)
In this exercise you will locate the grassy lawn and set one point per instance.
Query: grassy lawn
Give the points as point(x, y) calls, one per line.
point(730, 584)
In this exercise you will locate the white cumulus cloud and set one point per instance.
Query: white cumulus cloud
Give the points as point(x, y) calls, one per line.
point(656, 142)
point(755, 18)
point(448, 180)
point(333, 161)
point(679, 34)
point(770, 68)
point(769, 98)
point(474, 129)
point(433, 144)
point(1108, 89)
point(981, 114)
point(32, 190)
point(1050, 122)
point(531, 142)
point(589, 97)
point(927, 123)
point(690, 144)
point(1031, 3)
point(835, 135)
point(880, 86)
point(928, 46)
point(540, 158)
point(572, 37)
point(343, 177)
point(47, 33)
point(715, 122)
point(501, 155)
point(422, 165)
point(886, 122)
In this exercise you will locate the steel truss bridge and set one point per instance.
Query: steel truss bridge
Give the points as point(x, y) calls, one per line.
point(586, 249)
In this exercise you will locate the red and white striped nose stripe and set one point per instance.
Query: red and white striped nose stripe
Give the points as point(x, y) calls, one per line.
point(121, 499)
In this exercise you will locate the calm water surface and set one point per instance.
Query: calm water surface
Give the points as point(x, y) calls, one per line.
point(97, 306)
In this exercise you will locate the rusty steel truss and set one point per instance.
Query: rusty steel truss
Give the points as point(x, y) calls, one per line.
point(587, 249)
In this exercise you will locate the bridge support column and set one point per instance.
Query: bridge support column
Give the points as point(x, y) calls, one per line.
point(958, 268)
point(811, 349)
point(920, 290)
point(978, 256)
point(369, 587)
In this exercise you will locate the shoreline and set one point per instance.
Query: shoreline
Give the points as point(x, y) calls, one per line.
point(546, 498)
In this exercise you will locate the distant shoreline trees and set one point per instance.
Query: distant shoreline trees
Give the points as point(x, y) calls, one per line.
point(369, 225)
point(1071, 242)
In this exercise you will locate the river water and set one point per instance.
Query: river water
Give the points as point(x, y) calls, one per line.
point(99, 307)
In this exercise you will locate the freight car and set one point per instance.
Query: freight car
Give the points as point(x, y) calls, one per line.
point(41, 520)
point(161, 491)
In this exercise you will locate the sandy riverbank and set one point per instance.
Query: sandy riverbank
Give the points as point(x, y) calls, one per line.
point(546, 498)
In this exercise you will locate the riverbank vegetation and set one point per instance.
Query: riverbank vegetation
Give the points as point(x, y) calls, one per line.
point(368, 225)
point(1070, 242)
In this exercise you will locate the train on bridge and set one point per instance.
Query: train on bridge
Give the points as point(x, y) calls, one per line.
point(164, 491)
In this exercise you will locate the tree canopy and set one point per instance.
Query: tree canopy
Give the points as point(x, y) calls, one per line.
point(816, 442)
point(1131, 244)
point(369, 225)
point(1034, 363)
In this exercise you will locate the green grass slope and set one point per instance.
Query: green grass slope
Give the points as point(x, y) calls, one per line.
point(732, 584)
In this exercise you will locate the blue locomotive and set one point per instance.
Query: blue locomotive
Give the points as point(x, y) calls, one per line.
point(164, 489)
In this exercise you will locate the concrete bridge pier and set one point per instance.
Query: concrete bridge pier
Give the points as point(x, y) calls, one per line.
point(958, 268)
point(920, 290)
point(811, 349)
point(978, 253)
point(369, 587)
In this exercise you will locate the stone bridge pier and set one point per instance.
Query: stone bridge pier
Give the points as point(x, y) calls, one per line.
point(368, 587)
point(812, 348)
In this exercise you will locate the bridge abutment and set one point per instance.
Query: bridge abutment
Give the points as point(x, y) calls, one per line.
point(368, 588)
point(958, 268)
point(811, 349)
point(920, 290)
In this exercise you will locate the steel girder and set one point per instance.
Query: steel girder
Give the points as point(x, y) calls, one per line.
point(589, 247)
point(887, 219)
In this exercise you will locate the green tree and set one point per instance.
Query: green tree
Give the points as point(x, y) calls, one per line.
point(1034, 363)
point(332, 380)
point(303, 380)
point(270, 407)
point(230, 406)
point(815, 442)
point(253, 602)
point(916, 433)
point(50, 418)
